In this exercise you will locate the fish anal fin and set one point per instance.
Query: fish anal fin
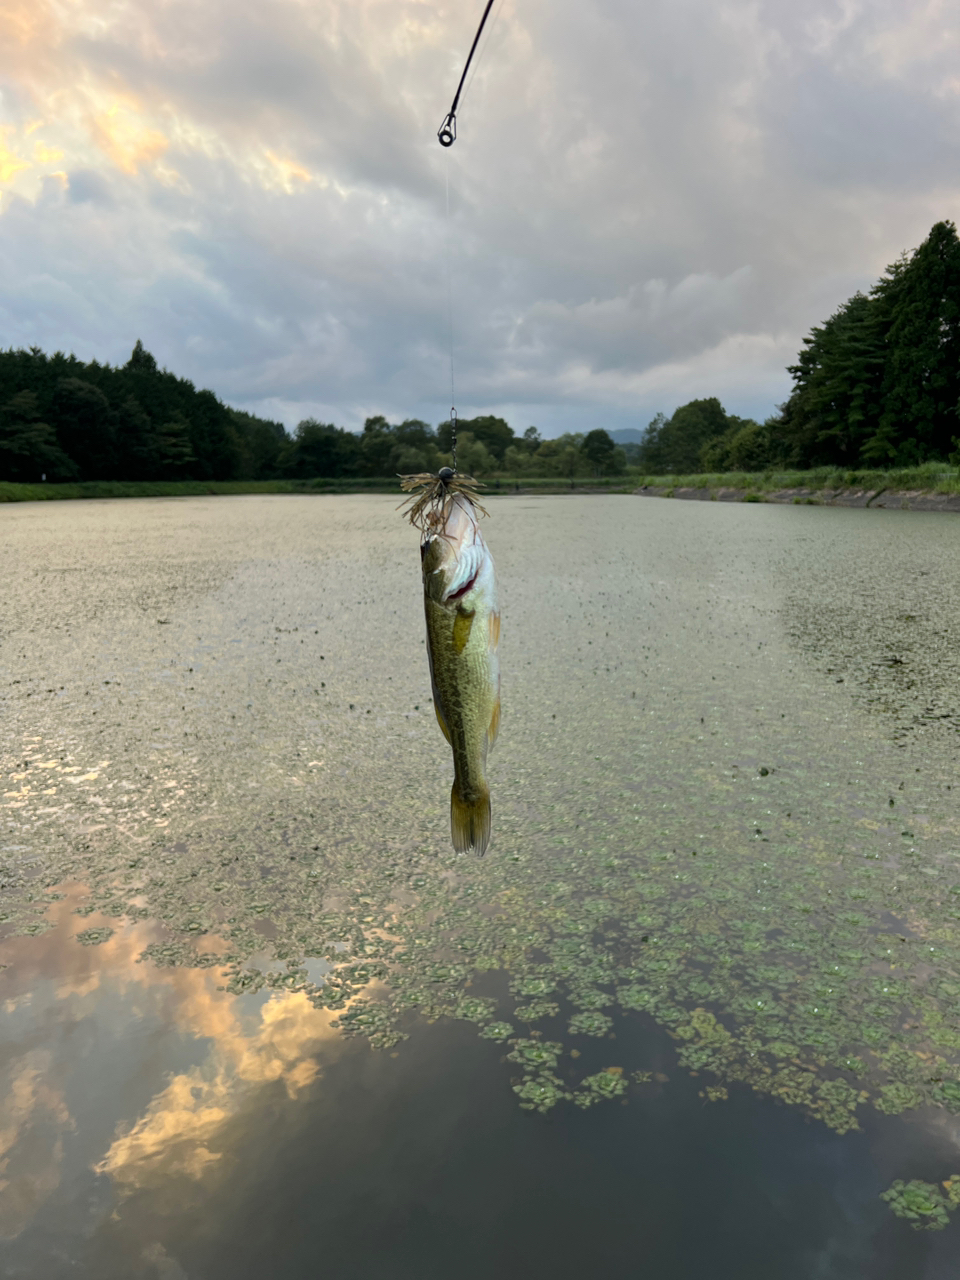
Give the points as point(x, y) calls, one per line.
point(470, 821)
point(462, 626)
point(494, 724)
point(440, 720)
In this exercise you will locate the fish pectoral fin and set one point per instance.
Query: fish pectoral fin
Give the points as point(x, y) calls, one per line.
point(494, 724)
point(462, 626)
point(440, 721)
point(493, 630)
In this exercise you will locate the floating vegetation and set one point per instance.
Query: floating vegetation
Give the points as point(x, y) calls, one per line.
point(497, 1031)
point(373, 1020)
point(602, 1087)
point(93, 937)
point(590, 1024)
point(923, 1204)
point(477, 1009)
point(536, 1010)
point(537, 1055)
point(540, 1092)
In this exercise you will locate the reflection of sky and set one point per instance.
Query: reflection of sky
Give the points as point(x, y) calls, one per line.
point(649, 202)
point(127, 1069)
point(154, 1129)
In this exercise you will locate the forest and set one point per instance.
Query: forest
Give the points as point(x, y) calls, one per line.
point(63, 420)
point(877, 384)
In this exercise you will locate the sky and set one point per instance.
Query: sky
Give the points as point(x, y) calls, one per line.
point(646, 204)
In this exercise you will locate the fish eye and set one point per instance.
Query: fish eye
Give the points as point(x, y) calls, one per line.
point(445, 475)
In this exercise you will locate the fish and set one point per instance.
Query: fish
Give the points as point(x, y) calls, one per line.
point(463, 636)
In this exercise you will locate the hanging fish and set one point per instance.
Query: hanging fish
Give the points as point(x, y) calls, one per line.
point(463, 632)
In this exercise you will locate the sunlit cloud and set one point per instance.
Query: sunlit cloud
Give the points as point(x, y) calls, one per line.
point(10, 163)
point(127, 139)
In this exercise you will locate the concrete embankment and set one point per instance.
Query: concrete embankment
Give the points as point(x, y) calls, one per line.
point(890, 499)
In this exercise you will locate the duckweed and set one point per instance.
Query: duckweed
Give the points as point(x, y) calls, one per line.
point(476, 1009)
point(540, 1055)
point(540, 1092)
point(93, 937)
point(497, 1031)
point(922, 1204)
point(602, 1087)
point(590, 1024)
point(536, 1010)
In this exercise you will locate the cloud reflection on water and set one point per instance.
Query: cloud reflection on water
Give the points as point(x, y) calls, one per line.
point(80, 1016)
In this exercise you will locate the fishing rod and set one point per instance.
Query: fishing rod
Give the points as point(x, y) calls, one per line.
point(447, 133)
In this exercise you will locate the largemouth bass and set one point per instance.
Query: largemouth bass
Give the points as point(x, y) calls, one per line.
point(463, 632)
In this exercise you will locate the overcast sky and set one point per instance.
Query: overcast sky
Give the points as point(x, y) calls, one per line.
point(649, 202)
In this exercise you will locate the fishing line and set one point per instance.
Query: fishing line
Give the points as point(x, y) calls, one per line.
point(447, 134)
point(453, 389)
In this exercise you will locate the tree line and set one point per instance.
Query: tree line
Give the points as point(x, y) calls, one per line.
point(63, 420)
point(876, 385)
point(485, 445)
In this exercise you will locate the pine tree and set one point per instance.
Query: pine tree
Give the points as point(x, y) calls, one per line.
point(835, 404)
point(141, 361)
point(174, 449)
point(918, 303)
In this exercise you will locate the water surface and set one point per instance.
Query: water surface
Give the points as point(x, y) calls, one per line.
point(696, 1009)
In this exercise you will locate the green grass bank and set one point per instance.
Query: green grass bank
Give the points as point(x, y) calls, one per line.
point(932, 487)
point(825, 484)
point(10, 492)
point(932, 477)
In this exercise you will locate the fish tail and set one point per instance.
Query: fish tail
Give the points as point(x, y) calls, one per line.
point(470, 821)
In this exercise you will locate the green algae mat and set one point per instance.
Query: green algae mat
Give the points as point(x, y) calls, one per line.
point(724, 796)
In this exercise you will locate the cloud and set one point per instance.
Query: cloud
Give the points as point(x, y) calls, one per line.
point(645, 203)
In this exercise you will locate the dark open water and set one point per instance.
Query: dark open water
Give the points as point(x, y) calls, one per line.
point(725, 964)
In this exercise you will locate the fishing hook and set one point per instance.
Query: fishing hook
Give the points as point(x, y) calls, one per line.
point(447, 133)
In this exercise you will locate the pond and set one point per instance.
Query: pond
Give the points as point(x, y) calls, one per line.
point(694, 1013)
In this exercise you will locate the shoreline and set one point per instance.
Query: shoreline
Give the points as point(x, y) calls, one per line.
point(896, 497)
point(884, 499)
point(11, 492)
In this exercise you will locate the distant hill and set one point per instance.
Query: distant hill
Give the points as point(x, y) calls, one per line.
point(626, 435)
